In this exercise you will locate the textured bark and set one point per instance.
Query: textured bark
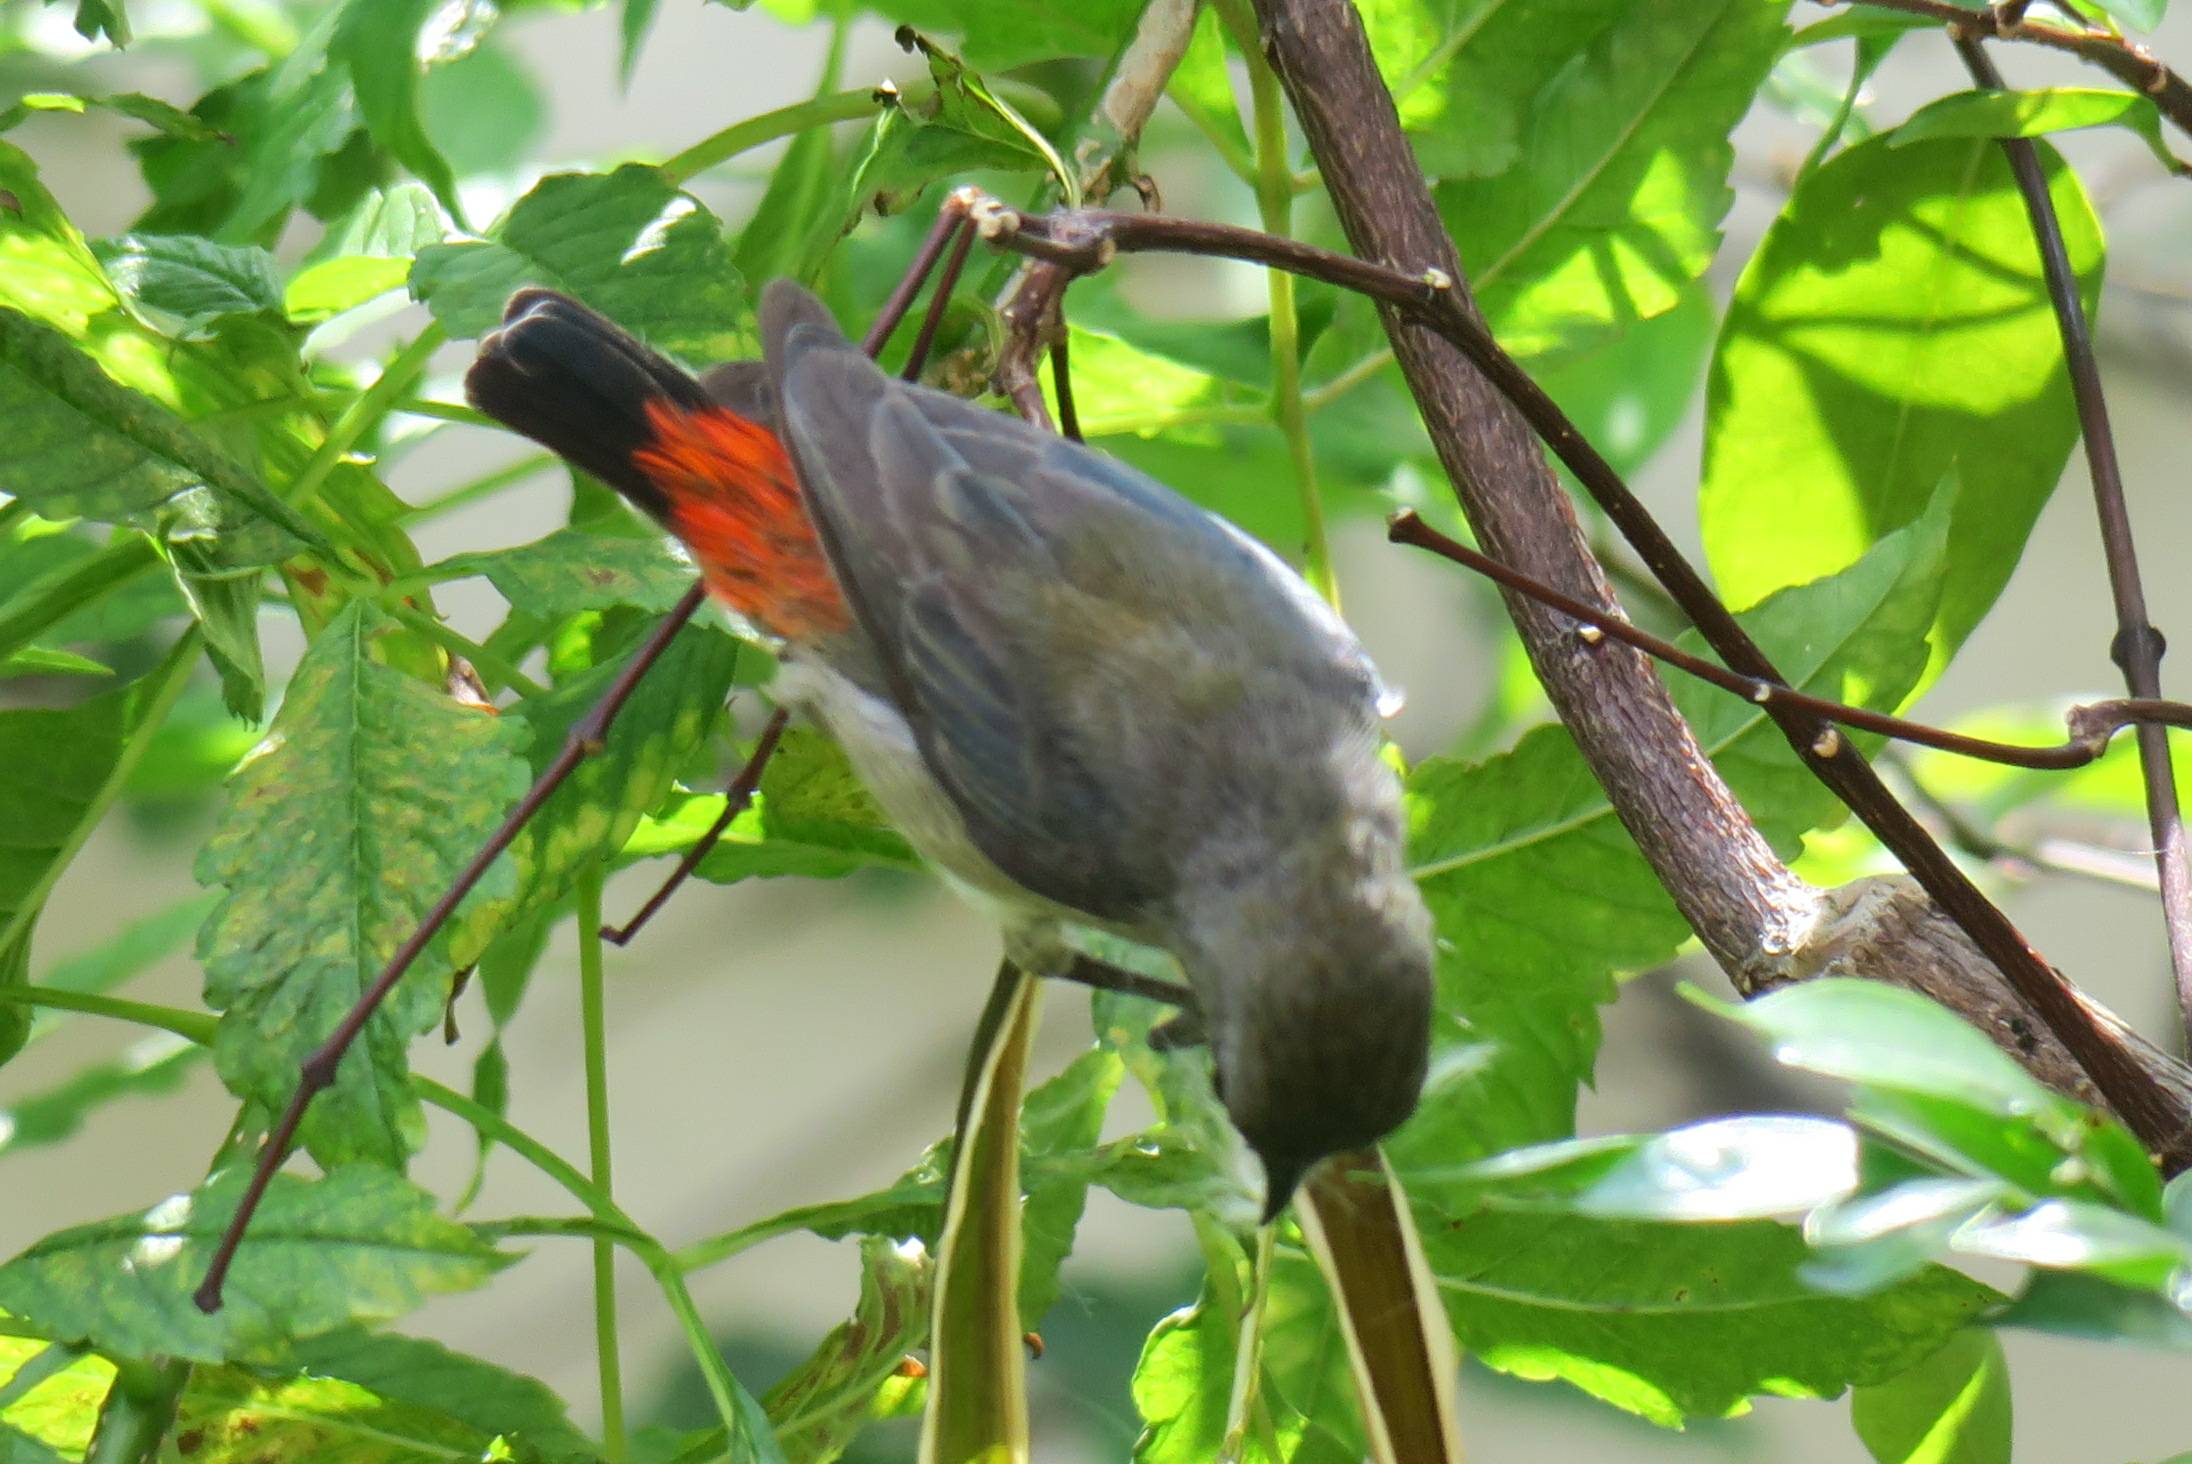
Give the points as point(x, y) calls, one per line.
point(1736, 895)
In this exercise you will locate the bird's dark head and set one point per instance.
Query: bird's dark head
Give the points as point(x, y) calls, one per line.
point(1319, 1021)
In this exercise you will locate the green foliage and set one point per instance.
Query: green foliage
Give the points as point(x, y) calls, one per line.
point(360, 1245)
point(1892, 333)
point(627, 243)
point(1953, 1408)
point(319, 894)
point(205, 412)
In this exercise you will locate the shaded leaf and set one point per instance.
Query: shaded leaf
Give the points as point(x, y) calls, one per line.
point(572, 571)
point(1678, 1321)
point(359, 1245)
point(627, 243)
point(377, 41)
point(469, 1390)
point(1892, 330)
point(180, 285)
point(59, 771)
point(854, 1376)
point(370, 792)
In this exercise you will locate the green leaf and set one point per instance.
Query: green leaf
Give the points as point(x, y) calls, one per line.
point(277, 128)
point(1628, 396)
point(1465, 73)
point(370, 792)
point(82, 445)
point(53, 1392)
point(151, 1065)
point(977, 1405)
point(2038, 112)
point(359, 1245)
point(572, 571)
point(1893, 329)
point(362, 1400)
point(377, 41)
point(41, 661)
point(59, 772)
point(627, 243)
point(1931, 1079)
point(1001, 34)
point(1749, 1167)
point(812, 819)
point(794, 209)
point(1540, 895)
point(162, 116)
point(1614, 206)
point(853, 1377)
point(1677, 1321)
point(1182, 1385)
point(95, 18)
point(468, 1390)
point(485, 107)
point(181, 285)
point(596, 810)
point(21, 1448)
point(2071, 1304)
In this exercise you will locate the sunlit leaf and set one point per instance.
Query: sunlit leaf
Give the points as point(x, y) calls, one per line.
point(2036, 113)
point(1465, 73)
point(1614, 205)
point(1892, 330)
point(359, 1245)
point(1952, 1408)
point(1541, 895)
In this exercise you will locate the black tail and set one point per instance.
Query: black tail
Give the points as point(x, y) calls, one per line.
point(579, 385)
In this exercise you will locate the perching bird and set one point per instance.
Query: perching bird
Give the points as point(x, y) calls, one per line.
point(1079, 695)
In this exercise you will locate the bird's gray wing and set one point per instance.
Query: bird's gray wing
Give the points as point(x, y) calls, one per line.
point(1046, 619)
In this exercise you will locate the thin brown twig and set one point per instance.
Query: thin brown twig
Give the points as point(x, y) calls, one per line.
point(2131, 64)
point(2091, 725)
point(318, 1070)
point(736, 797)
point(2137, 648)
